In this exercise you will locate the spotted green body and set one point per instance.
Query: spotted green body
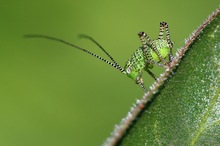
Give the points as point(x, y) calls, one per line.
point(144, 59)
point(137, 63)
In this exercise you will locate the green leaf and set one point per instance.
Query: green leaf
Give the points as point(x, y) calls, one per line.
point(186, 108)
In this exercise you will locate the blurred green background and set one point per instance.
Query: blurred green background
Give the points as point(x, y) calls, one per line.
point(55, 95)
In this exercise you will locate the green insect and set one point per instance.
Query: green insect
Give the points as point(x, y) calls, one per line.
point(152, 52)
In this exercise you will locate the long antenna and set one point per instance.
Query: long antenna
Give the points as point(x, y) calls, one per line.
point(94, 41)
point(114, 64)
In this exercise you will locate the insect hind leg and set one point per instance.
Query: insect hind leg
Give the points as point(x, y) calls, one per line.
point(164, 26)
point(143, 36)
point(161, 32)
point(151, 74)
point(156, 63)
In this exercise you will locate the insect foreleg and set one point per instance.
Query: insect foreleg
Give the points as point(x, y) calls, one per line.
point(140, 82)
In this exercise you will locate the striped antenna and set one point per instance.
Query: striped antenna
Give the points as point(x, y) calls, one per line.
point(95, 42)
point(114, 64)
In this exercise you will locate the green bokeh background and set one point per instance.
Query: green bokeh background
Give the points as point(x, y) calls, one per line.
point(53, 95)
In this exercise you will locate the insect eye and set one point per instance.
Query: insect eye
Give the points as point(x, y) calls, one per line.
point(128, 70)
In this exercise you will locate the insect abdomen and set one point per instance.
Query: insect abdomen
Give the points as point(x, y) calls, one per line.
point(163, 48)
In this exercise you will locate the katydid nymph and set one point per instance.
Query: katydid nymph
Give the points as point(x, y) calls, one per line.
point(152, 52)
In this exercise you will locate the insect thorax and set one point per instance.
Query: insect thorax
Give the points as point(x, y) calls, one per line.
point(136, 64)
point(138, 61)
